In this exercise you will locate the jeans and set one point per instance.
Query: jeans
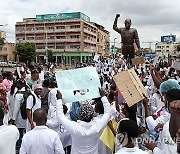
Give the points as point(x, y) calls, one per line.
point(19, 141)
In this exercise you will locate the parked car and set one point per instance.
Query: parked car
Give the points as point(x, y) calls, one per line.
point(12, 64)
point(3, 64)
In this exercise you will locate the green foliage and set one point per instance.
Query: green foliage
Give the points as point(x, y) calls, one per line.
point(178, 48)
point(50, 55)
point(2, 41)
point(25, 51)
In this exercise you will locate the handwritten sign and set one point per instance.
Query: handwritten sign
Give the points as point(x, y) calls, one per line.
point(78, 84)
point(130, 86)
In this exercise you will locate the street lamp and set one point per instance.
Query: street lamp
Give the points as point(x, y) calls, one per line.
point(114, 46)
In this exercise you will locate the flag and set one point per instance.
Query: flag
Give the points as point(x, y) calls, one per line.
point(108, 137)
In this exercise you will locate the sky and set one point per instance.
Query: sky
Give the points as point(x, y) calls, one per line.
point(152, 19)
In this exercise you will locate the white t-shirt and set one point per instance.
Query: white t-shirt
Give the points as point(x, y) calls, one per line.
point(8, 138)
point(32, 107)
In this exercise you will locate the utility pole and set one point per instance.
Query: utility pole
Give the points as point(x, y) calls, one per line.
point(114, 46)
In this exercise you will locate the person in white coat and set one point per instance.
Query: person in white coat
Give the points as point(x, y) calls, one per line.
point(8, 135)
point(16, 117)
point(41, 140)
point(85, 132)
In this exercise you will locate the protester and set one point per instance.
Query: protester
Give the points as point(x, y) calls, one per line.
point(126, 137)
point(41, 139)
point(33, 103)
point(8, 135)
point(8, 81)
point(44, 95)
point(16, 117)
point(85, 131)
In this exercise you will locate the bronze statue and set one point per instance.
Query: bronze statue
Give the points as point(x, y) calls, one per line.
point(128, 37)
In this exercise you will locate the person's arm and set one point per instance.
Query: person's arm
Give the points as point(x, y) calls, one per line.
point(174, 124)
point(115, 24)
point(107, 113)
point(112, 128)
point(136, 39)
point(70, 126)
point(146, 107)
point(157, 75)
point(156, 81)
point(29, 107)
point(58, 148)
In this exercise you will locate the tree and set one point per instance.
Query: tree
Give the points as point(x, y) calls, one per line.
point(2, 41)
point(178, 48)
point(25, 51)
point(50, 55)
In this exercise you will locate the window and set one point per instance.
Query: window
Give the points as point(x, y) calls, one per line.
point(76, 26)
point(30, 28)
point(167, 46)
point(60, 37)
point(50, 28)
point(60, 27)
point(59, 47)
point(39, 38)
point(20, 29)
point(39, 28)
point(73, 37)
point(40, 47)
point(30, 38)
point(4, 49)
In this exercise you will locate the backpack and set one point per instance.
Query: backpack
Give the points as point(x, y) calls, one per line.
point(75, 111)
point(26, 94)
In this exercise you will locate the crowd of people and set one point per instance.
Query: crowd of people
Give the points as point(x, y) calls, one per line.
point(34, 119)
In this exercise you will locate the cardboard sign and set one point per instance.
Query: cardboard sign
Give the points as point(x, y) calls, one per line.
point(138, 60)
point(130, 86)
point(78, 84)
point(176, 65)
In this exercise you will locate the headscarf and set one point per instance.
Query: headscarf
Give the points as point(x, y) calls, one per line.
point(169, 84)
point(3, 95)
point(86, 111)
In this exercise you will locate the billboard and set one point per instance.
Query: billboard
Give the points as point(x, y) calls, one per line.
point(168, 38)
point(63, 16)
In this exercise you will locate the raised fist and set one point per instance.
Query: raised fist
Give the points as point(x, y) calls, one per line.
point(117, 15)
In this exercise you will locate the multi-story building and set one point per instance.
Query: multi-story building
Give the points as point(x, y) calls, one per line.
point(103, 40)
point(6, 52)
point(166, 47)
point(70, 36)
point(2, 34)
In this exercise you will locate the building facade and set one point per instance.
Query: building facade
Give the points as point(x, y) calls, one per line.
point(169, 48)
point(2, 34)
point(6, 52)
point(103, 40)
point(70, 36)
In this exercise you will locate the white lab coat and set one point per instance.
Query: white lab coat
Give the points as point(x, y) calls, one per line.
point(85, 135)
point(8, 138)
point(41, 140)
point(20, 122)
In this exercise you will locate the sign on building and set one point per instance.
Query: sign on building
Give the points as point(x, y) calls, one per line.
point(168, 38)
point(63, 16)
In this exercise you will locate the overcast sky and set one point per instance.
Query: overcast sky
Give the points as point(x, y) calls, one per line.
point(151, 18)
